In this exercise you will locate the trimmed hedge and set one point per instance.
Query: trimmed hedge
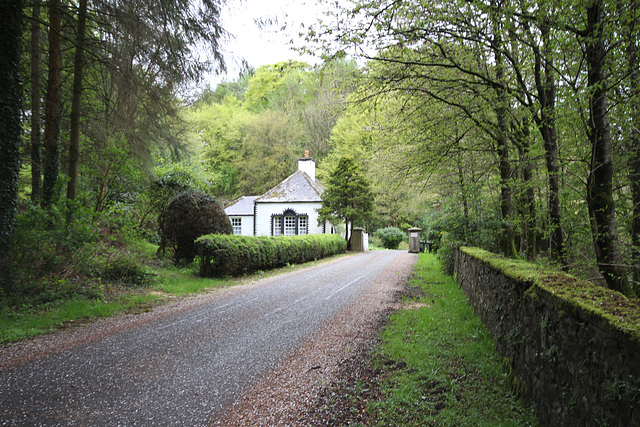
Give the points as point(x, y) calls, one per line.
point(223, 255)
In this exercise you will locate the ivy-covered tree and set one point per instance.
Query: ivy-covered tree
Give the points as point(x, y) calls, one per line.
point(10, 107)
point(348, 196)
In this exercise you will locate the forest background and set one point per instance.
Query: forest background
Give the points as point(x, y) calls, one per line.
point(508, 125)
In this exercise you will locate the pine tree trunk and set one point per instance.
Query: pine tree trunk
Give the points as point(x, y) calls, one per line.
point(600, 183)
point(78, 70)
point(10, 106)
point(52, 107)
point(36, 87)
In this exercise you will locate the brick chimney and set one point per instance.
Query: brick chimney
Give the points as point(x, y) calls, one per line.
point(307, 165)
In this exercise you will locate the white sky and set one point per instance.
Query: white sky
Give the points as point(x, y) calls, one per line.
point(262, 46)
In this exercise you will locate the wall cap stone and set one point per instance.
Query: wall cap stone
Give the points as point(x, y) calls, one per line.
point(604, 308)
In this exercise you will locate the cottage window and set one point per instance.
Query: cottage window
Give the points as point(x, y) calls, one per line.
point(289, 225)
point(277, 225)
point(302, 225)
point(236, 223)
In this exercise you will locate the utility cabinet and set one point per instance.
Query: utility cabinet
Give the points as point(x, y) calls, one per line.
point(414, 240)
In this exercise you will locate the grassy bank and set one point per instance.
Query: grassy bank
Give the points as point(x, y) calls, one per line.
point(436, 366)
point(60, 304)
point(99, 300)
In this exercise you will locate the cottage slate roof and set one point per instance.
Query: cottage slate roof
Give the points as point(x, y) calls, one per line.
point(298, 187)
point(242, 206)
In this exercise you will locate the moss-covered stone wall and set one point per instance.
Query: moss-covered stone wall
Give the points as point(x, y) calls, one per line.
point(573, 348)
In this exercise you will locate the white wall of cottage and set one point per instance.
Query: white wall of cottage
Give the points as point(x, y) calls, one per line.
point(246, 223)
point(264, 212)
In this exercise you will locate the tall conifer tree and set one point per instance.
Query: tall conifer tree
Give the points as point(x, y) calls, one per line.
point(348, 196)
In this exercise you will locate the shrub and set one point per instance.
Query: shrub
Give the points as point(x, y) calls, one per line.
point(447, 253)
point(391, 237)
point(46, 243)
point(235, 255)
point(122, 267)
point(190, 215)
point(169, 181)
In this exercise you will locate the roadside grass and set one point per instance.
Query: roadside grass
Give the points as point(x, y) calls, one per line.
point(70, 304)
point(16, 324)
point(438, 363)
point(106, 299)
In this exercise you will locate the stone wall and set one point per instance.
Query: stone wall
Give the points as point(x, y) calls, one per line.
point(573, 349)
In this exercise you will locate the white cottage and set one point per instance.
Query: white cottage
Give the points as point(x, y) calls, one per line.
point(288, 209)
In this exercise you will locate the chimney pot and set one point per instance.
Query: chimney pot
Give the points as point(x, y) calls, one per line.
point(307, 165)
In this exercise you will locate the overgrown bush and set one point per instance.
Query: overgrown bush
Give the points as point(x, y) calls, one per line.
point(169, 180)
point(447, 253)
point(391, 237)
point(122, 267)
point(48, 243)
point(191, 214)
point(235, 255)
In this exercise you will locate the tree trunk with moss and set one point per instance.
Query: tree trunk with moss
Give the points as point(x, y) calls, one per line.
point(544, 73)
point(633, 141)
point(502, 150)
point(600, 182)
point(36, 144)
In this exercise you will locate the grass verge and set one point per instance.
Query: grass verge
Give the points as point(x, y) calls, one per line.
point(436, 366)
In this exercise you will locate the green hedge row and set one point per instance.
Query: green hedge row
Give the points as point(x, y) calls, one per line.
point(223, 255)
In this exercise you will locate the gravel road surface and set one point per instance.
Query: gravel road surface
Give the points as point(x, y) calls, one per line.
point(203, 361)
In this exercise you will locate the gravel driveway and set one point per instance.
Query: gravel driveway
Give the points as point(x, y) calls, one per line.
point(250, 355)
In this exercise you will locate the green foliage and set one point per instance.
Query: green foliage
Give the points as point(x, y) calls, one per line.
point(174, 178)
point(447, 255)
point(272, 84)
point(191, 214)
point(268, 153)
point(391, 237)
point(170, 180)
point(444, 221)
point(61, 244)
point(19, 324)
point(122, 267)
point(235, 255)
point(439, 363)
